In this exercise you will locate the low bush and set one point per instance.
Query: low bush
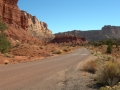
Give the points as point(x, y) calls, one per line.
point(4, 43)
point(41, 47)
point(8, 55)
point(90, 67)
point(116, 87)
point(109, 49)
point(6, 62)
point(109, 73)
point(57, 52)
point(65, 50)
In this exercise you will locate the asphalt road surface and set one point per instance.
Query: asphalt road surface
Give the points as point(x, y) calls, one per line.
point(29, 75)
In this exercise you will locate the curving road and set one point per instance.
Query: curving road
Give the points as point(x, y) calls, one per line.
point(28, 76)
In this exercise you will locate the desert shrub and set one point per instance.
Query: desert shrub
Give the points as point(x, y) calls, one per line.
point(109, 49)
point(109, 73)
point(66, 50)
point(107, 58)
point(41, 47)
point(90, 67)
point(4, 43)
point(106, 88)
point(92, 52)
point(3, 27)
point(110, 41)
point(8, 55)
point(116, 87)
point(57, 52)
point(6, 62)
point(95, 54)
point(117, 45)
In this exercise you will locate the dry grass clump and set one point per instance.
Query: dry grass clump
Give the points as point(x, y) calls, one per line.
point(57, 52)
point(109, 73)
point(6, 62)
point(90, 67)
point(116, 87)
point(65, 50)
point(8, 55)
point(41, 47)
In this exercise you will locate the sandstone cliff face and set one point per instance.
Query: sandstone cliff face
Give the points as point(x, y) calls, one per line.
point(10, 12)
point(93, 35)
point(69, 40)
point(19, 35)
point(22, 23)
point(37, 28)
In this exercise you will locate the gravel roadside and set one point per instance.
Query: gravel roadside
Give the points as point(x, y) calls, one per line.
point(70, 79)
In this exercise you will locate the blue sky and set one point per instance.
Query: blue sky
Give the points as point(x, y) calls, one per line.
point(67, 15)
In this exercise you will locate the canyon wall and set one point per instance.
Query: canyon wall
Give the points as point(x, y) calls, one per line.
point(22, 23)
point(37, 28)
point(106, 32)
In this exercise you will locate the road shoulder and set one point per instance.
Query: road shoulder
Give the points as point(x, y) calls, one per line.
point(71, 78)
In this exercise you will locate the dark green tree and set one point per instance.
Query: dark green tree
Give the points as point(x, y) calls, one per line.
point(4, 43)
point(110, 41)
point(3, 27)
point(109, 48)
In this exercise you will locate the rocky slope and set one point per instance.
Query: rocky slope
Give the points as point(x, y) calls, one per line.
point(94, 35)
point(22, 26)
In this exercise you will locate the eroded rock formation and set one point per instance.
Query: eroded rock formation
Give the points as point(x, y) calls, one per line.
point(37, 28)
point(22, 23)
point(69, 40)
point(93, 35)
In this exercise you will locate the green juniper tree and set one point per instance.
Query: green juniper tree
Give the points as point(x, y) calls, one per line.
point(109, 48)
point(4, 43)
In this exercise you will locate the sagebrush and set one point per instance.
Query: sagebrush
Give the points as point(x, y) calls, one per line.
point(109, 73)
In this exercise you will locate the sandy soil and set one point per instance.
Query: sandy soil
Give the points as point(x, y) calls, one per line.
point(26, 52)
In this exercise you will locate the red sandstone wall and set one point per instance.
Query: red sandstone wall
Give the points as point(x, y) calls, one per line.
point(69, 39)
point(11, 14)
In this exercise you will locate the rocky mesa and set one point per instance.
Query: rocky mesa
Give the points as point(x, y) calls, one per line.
point(106, 32)
point(69, 40)
point(23, 26)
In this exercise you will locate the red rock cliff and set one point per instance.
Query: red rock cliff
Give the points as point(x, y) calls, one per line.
point(10, 12)
point(71, 40)
point(35, 27)
point(21, 23)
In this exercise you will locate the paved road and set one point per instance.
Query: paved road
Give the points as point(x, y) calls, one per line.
point(28, 76)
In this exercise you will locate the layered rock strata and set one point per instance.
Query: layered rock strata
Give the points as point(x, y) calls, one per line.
point(37, 28)
point(106, 32)
point(69, 40)
point(22, 23)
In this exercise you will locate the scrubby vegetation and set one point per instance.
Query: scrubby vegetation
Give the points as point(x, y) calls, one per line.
point(90, 67)
point(105, 42)
point(109, 73)
point(106, 67)
point(109, 49)
point(57, 52)
point(4, 43)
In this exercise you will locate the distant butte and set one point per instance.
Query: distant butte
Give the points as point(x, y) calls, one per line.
point(106, 32)
point(69, 40)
